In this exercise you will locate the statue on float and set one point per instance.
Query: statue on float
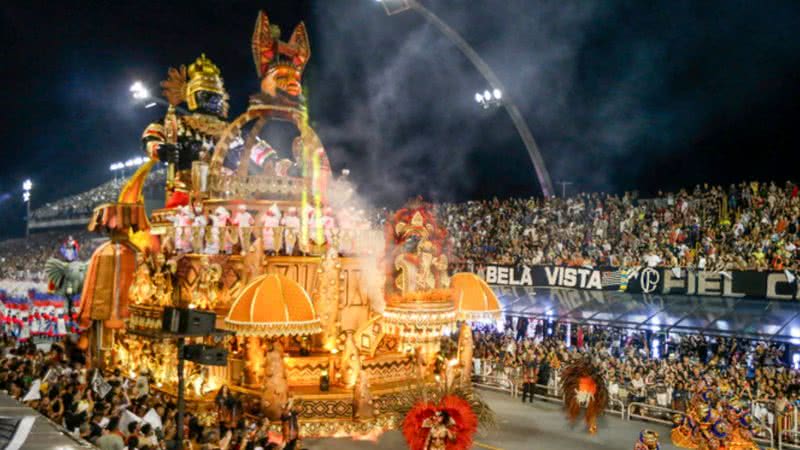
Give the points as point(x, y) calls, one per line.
point(583, 387)
point(713, 422)
point(276, 383)
point(183, 139)
point(206, 295)
point(152, 281)
point(418, 250)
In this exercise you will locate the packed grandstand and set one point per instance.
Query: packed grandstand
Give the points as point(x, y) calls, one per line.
point(748, 226)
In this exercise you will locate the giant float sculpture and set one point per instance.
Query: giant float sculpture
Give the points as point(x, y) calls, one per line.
point(343, 318)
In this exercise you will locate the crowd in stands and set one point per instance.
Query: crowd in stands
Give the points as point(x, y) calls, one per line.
point(749, 225)
point(745, 226)
point(23, 259)
point(760, 375)
point(82, 204)
point(129, 415)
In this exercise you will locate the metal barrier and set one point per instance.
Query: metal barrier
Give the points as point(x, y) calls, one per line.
point(794, 440)
point(620, 411)
point(496, 383)
point(547, 396)
point(645, 406)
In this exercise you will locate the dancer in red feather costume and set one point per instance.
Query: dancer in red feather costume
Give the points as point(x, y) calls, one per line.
point(450, 425)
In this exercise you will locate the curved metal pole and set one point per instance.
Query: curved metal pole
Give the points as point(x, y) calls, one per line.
point(494, 82)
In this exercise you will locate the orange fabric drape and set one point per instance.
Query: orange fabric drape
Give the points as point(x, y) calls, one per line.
point(105, 289)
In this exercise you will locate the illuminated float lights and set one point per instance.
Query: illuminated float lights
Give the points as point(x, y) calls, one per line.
point(419, 325)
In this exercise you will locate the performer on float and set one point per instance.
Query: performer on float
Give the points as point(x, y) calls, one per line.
point(264, 156)
point(219, 219)
point(69, 249)
point(291, 224)
point(328, 224)
point(269, 221)
point(182, 221)
point(199, 224)
point(344, 217)
point(180, 139)
point(244, 223)
point(648, 440)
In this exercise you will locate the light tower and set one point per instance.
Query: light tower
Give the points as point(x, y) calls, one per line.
point(398, 6)
point(27, 186)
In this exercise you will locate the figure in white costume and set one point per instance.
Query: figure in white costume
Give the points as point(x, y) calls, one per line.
point(269, 221)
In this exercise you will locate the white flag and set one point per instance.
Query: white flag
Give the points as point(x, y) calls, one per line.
point(153, 419)
point(34, 392)
point(789, 276)
point(676, 271)
point(99, 385)
point(126, 418)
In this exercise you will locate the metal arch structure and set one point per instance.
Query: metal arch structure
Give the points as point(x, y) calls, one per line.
point(396, 6)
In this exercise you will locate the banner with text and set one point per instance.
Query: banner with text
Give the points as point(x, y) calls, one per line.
point(649, 280)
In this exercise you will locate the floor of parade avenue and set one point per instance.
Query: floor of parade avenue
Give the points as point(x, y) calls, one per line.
point(537, 426)
point(44, 434)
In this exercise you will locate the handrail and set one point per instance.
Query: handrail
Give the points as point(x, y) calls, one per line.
point(546, 397)
point(789, 445)
point(503, 384)
point(651, 407)
point(620, 411)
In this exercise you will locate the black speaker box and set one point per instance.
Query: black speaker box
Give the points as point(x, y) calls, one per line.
point(190, 322)
point(205, 355)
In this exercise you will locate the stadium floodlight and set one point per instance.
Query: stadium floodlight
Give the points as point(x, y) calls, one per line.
point(150, 105)
point(488, 98)
point(139, 91)
point(26, 196)
point(27, 185)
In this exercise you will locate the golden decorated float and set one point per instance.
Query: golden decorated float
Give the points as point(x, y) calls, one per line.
point(317, 303)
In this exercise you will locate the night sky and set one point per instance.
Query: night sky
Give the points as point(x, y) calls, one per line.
point(620, 95)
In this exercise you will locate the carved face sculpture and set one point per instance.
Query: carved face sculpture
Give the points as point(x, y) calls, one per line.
point(280, 64)
point(282, 79)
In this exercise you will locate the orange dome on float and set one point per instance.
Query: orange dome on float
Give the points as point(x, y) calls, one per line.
point(273, 305)
point(473, 298)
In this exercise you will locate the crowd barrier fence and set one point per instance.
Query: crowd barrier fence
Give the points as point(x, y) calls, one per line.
point(765, 431)
point(789, 440)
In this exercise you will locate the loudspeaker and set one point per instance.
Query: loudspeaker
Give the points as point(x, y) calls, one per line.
point(190, 322)
point(205, 355)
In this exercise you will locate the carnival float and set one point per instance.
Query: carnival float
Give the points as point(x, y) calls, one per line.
point(316, 304)
point(715, 419)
